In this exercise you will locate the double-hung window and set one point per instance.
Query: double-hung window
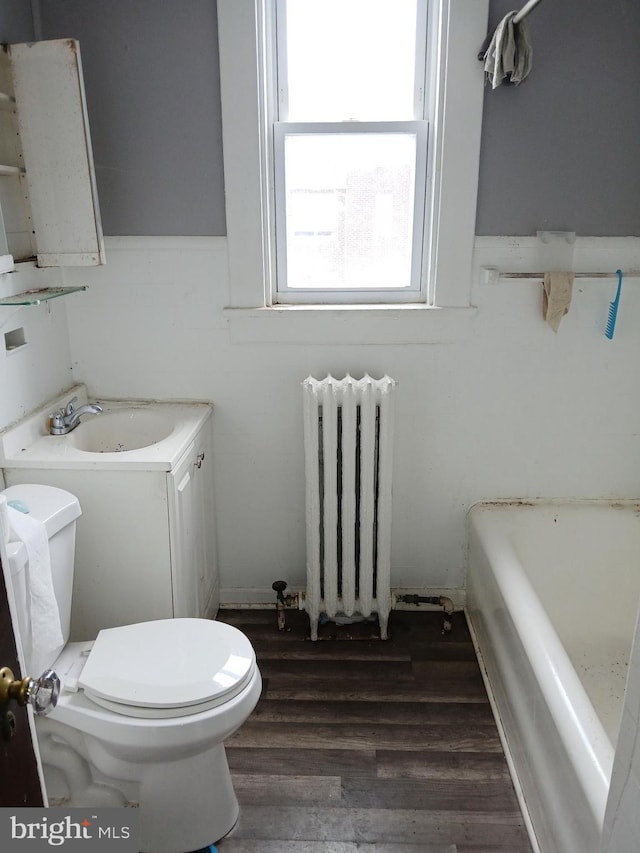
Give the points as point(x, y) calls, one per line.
point(300, 87)
point(349, 150)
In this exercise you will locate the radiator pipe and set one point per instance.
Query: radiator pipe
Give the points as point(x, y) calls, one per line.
point(282, 602)
point(442, 600)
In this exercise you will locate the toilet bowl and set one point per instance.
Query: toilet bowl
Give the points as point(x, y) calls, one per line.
point(144, 709)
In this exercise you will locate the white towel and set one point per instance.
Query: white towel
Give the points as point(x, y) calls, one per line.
point(46, 631)
point(556, 297)
point(510, 53)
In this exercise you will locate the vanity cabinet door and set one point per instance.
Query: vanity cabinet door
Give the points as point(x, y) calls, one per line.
point(184, 535)
point(209, 593)
point(190, 487)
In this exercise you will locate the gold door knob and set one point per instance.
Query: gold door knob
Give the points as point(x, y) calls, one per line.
point(42, 693)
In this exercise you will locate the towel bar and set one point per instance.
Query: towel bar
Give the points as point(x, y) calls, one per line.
point(493, 274)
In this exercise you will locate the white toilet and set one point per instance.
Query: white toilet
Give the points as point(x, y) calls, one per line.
point(144, 709)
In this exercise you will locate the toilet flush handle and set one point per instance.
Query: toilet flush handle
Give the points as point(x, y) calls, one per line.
point(41, 693)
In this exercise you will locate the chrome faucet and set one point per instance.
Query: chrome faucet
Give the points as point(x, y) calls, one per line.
point(68, 418)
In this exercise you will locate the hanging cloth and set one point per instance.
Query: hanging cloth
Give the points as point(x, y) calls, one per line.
point(509, 54)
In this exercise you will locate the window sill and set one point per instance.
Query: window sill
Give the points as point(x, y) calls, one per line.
point(349, 324)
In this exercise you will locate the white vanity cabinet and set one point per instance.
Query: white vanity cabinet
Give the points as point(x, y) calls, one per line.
point(145, 542)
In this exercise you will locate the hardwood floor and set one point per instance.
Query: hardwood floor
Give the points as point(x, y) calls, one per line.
point(363, 746)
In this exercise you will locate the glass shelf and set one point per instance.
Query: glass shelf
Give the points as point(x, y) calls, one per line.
point(38, 295)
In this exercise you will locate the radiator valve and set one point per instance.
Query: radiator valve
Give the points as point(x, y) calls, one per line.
point(282, 602)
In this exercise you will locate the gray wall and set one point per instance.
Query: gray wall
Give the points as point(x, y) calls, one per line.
point(153, 96)
point(558, 152)
point(16, 21)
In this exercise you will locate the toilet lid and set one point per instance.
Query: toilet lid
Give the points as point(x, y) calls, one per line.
point(169, 664)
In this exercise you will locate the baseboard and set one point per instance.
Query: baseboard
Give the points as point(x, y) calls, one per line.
point(232, 598)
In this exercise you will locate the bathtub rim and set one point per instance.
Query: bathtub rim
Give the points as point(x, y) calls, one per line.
point(591, 755)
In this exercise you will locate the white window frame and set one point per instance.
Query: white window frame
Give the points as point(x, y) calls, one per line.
point(412, 291)
point(456, 29)
point(278, 32)
point(283, 126)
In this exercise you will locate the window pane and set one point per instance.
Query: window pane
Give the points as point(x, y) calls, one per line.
point(349, 206)
point(350, 59)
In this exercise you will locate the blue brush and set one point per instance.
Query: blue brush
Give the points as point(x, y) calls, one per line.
point(613, 308)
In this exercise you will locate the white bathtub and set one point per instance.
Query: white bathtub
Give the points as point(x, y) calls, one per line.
point(552, 596)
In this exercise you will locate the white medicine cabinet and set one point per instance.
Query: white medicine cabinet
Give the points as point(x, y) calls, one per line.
point(48, 201)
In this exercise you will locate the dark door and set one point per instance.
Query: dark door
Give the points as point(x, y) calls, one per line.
point(19, 778)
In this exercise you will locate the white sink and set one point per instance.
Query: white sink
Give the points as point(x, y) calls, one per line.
point(120, 430)
point(128, 435)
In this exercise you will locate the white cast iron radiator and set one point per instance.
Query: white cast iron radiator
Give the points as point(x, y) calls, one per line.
point(348, 438)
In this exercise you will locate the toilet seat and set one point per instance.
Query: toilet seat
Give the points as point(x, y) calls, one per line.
point(167, 668)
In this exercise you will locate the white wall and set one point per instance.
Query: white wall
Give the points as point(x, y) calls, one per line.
point(510, 409)
point(31, 374)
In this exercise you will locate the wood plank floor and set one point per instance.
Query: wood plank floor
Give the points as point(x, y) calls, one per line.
point(363, 746)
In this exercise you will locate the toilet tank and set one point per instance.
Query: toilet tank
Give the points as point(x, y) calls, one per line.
point(58, 511)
